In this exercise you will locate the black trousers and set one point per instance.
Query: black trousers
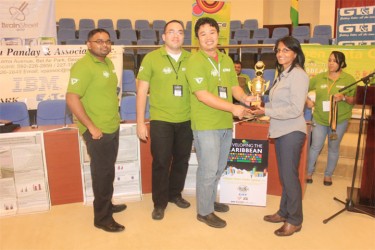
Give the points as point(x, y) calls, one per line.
point(103, 154)
point(170, 149)
point(288, 154)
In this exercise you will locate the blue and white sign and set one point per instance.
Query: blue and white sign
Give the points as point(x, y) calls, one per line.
point(356, 26)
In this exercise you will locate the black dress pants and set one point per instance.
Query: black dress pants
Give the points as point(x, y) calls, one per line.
point(103, 154)
point(288, 154)
point(170, 148)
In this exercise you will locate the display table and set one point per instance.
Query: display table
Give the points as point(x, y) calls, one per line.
point(259, 131)
point(244, 130)
point(63, 162)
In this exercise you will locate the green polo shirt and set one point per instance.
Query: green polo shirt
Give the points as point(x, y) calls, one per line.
point(169, 92)
point(324, 87)
point(96, 83)
point(202, 74)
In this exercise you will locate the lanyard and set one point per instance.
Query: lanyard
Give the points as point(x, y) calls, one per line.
point(330, 86)
point(175, 71)
point(213, 65)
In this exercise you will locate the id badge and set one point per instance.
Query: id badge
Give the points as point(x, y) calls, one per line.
point(326, 106)
point(177, 90)
point(223, 92)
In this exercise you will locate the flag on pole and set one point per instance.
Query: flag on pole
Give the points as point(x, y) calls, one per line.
point(294, 12)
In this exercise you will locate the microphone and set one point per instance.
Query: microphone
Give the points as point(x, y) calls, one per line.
point(366, 79)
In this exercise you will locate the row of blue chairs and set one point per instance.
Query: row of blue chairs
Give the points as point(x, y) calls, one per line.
point(54, 112)
point(49, 112)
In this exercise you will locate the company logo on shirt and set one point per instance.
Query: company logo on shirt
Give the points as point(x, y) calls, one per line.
point(167, 70)
point(214, 72)
point(183, 69)
point(73, 81)
point(226, 70)
point(199, 80)
point(140, 69)
point(323, 86)
point(106, 74)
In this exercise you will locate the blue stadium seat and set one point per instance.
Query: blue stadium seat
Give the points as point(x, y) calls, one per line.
point(16, 112)
point(65, 34)
point(86, 23)
point(241, 34)
point(50, 112)
point(302, 33)
point(250, 24)
point(67, 23)
point(75, 42)
point(105, 23)
point(319, 40)
point(128, 34)
point(280, 32)
point(124, 24)
point(128, 82)
point(158, 24)
point(324, 31)
point(128, 108)
point(148, 34)
point(83, 33)
point(141, 24)
point(261, 34)
point(249, 72)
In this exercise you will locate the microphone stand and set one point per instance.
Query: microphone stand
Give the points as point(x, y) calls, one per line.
point(350, 206)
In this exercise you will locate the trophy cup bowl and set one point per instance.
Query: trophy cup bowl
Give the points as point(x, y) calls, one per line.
point(257, 84)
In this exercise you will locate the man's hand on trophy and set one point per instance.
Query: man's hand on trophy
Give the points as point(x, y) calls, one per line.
point(258, 111)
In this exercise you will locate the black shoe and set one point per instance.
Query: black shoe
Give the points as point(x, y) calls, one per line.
point(158, 213)
point(113, 227)
point(180, 202)
point(309, 181)
point(118, 208)
point(221, 207)
point(212, 220)
point(327, 183)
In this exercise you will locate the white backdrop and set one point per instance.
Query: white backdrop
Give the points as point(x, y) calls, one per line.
point(30, 22)
point(31, 74)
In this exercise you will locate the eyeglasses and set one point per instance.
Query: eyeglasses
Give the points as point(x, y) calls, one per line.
point(284, 50)
point(101, 42)
point(175, 32)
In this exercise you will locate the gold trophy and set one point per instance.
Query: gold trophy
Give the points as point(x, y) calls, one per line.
point(258, 84)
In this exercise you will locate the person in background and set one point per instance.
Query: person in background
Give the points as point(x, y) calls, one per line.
point(328, 84)
point(288, 129)
point(243, 83)
point(92, 98)
point(213, 81)
point(162, 74)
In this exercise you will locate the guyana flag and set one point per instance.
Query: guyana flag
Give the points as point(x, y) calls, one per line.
point(294, 12)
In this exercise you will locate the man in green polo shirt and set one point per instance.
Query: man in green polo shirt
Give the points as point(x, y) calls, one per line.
point(162, 74)
point(92, 98)
point(213, 81)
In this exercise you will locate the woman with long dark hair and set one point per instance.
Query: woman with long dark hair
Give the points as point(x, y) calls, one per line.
point(288, 129)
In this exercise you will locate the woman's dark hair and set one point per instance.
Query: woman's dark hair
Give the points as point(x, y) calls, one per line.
point(294, 45)
point(205, 20)
point(340, 59)
point(94, 31)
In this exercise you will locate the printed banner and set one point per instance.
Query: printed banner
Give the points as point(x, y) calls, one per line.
point(244, 181)
point(359, 59)
point(30, 22)
point(35, 73)
point(356, 26)
point(218, 10)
